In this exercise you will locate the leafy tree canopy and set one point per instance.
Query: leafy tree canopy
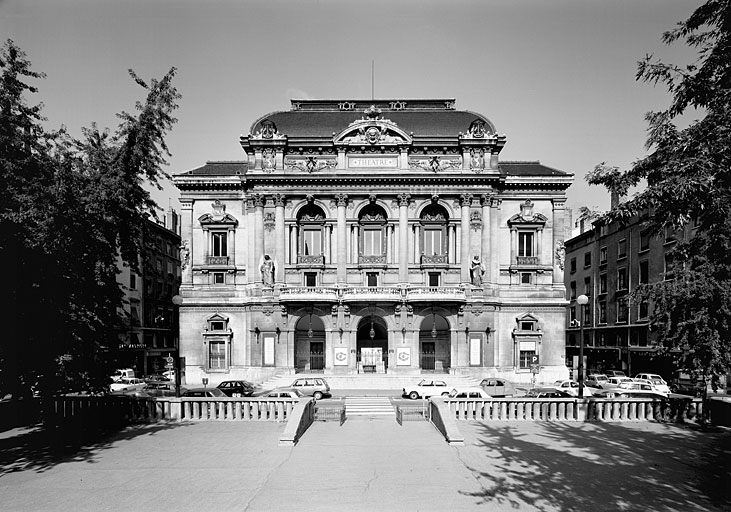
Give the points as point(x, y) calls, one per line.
point(72, 209)
point(688, 187)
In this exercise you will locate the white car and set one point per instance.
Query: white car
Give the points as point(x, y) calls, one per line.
point(640, 386)
point(572, 387)
point(125, 373)
point(473, 392)
point(427, 388)
point(128, 385)
point(656, 380)
point(614, 382)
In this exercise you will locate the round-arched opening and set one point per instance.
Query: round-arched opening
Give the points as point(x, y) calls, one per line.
point(310, 222)
point(434, 344)
point(309, 344)
point(372, 345)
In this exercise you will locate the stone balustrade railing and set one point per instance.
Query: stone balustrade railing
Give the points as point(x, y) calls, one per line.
point(571, 409)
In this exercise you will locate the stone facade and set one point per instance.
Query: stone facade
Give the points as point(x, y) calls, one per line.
point(372, 236)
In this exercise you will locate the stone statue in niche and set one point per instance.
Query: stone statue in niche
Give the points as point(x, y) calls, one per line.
point(267, 271)
point(476, 271)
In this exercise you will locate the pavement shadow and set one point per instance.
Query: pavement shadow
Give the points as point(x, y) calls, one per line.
point(600, 466)
point(39, 448)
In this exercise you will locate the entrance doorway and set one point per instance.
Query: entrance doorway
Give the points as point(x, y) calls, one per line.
point(434, 345)
point(372, 345)
point(309, 345)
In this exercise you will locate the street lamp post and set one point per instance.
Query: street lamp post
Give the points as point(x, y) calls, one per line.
point(177, 301)
point(582, 300)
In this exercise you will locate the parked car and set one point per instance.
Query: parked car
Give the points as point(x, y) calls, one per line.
point(596, 380)
point(295, 394)
point(615, 373)
point(236, 387)
point(162, 388)
point(314, 387)
point(498, 387)
point(630, 393)
point(170, 374)
point(204, 392)
point(656, 380)
point(156, 377)
point(640, 386)
point(547, 393)
point(614, 382)
point(572, 387)
point(125, 373)
point(127, 385)
point(426, 388)
point(470, 392)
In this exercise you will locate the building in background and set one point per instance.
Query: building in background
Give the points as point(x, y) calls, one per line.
point(606, 263)
point(152, 330)
point(372, 236)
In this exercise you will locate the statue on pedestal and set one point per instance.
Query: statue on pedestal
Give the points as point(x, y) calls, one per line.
point(476, 271)
point(267, 271)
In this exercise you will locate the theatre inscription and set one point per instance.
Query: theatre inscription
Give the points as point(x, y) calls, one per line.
point(373, 162)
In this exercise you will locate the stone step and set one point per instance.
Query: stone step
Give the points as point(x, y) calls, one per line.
point(368, 406)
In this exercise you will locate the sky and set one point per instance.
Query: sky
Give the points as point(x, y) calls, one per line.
point(557, 77)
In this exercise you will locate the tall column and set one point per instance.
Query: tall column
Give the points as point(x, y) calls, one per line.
point(559, 214)
point(513, 246)
point(486, 255)
point(280, 233)
point(403, 228)
point(342, 202)
point(186, 236)
point(465, 224)
point(494, 239)
point(252, 273)
point(258, 232)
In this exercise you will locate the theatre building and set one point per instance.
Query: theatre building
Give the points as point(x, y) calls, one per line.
point(379, 236)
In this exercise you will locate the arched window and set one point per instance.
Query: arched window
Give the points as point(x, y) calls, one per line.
point(310, 221)
point(434, 219)
point(372, 220)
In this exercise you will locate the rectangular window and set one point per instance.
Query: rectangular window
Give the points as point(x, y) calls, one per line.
point(573, 265)
point(310, 279)
point(527, 326)
point(433, 278)
point(587, 286)
point(312, 242)
point(602, 255)
point(217, 355)
point(371, 279)
point(622, 248)
point(602, 283)
point(587, 314)
point(572, 288)
point(526, 278)
point(622, 278)
point(621, 339)
point(644, 272)
point(218, 326)
point(525, 243)
point(432, 242)
point(669, 234)
point(133, 281)
point(170, 267)
point(668, 263)
point(602, 312)
point(526, 356)
point(643, 310)
point(587, 259)
point(572, 314)
point(219, 242)
point(622, 310)
point(372, 242)
point(644, 241)
point(219, 278)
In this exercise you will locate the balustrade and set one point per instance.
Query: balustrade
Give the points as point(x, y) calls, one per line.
point(527, 260)
point(217, 260)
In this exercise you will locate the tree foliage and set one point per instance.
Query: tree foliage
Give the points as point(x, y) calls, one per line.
point(72, 208)
point(687, 174)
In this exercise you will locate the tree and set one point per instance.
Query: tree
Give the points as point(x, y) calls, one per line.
point(75, 206)
point(688, 184)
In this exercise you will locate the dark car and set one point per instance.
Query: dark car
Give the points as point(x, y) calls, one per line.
point(236, 388)
point(547, 393)
point(204, 393)
point(162, 388)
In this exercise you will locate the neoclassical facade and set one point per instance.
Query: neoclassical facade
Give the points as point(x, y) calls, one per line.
point(372, 237)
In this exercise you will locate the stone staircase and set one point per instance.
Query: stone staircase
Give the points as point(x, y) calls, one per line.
point(369, 406)
point(370, 381)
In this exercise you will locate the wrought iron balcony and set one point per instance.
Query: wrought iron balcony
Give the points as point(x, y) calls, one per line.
point(434, 259)
point(528, 260)
point(218, 260)
point(310, 259)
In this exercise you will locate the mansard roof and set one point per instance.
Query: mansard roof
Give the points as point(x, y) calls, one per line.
point(225, 168)
point(321, 118)
point(531, 168)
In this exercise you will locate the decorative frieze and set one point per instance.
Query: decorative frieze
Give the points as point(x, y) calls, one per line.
point(435, 163)
point(310, 164)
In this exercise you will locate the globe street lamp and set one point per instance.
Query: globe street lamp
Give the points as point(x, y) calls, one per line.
point(582, 300)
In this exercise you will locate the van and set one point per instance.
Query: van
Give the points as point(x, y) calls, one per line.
point(125, 373)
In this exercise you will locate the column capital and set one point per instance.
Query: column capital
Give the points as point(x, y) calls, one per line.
point(341, 199)
point(465, 199)
point(559, 203)
point(269, 202)
point(186, 204)
point(403, 199)
point(258, 200)
point(279, 199)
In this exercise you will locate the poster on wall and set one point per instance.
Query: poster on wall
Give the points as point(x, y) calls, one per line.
point(403, 356)
point(475, 350)
point(340, 356)
point(268, 349)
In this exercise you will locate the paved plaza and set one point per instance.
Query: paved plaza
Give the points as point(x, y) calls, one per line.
point(371, 464)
